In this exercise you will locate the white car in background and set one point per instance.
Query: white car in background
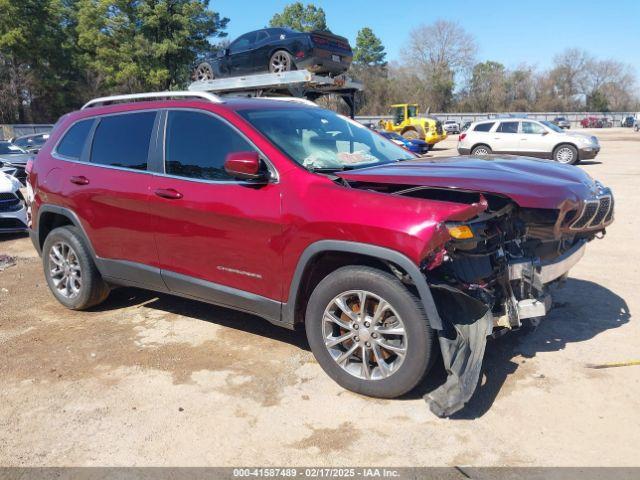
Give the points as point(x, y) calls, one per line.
point(451, 126)
point(526, 137)
point(13, 210)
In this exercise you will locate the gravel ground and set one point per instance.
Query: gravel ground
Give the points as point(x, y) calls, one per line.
point(149, 379)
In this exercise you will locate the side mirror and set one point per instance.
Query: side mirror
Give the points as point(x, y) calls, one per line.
point(245, 166)
point(223, 52)
point(545, 133)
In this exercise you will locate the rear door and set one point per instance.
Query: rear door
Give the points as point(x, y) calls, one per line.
point(216, 232)
point(505, 137)
point(108, 188)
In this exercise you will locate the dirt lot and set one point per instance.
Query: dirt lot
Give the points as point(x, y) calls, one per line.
point(156, 380)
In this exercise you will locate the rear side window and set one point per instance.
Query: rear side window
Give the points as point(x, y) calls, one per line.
point(483, 127)
point(123, 140)
point(72, 143)
point(508, 127)
point(197, 145)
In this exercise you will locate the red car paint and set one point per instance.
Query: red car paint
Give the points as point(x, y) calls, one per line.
point(252, 238)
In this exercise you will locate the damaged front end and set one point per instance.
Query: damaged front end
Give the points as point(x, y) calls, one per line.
point(496, 272)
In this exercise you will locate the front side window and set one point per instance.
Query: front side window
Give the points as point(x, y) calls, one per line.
point(243, 43)
point(72, 143)
point(412, 111)
point(123, 140)
point(532, 128)
point(483, 127)
point(508, 127)
point(319, 139)
point(197, 145)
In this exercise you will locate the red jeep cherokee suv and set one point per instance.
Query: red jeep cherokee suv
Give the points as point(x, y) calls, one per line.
point(302, 216)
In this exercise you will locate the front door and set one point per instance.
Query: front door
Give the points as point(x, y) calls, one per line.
point(505, 138)
point(241, 54)
point(212, 231)
point(535, 140)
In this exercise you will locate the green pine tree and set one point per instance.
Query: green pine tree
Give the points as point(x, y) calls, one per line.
point(297, 16)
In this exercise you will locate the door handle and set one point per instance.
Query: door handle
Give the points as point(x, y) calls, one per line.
point(79, 180)
point(168, 193)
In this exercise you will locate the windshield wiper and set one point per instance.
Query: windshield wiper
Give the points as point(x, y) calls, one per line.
point(325, 169)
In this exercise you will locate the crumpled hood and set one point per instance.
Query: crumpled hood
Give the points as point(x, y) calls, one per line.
point(530, 182)
point(8, 184)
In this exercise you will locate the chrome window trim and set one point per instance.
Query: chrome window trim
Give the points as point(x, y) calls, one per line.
point(274, 174)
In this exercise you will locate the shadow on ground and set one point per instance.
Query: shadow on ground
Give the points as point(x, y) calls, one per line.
point(126, 297)
point(582, 310)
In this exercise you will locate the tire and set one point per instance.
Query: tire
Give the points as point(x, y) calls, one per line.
point(481, 150)
point(566, 154)
point(281, 61)
point(203, 72)
point(399, 374)
point(411, 134)
point(88, 289)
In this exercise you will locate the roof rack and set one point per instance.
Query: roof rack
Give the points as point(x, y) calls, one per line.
point(152, 95)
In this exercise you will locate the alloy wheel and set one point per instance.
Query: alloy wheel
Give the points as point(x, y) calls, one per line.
point(481, 151)
point(280, 63)
point(364, 335)
point(564, 155)
point(204, 72)
point(64, 270)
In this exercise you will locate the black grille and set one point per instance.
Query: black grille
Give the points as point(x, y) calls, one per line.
point(9, 202)
point(11, 224)
point(595, 213)
point(6, 196)
point(609, 216)
point(603, 209)
point(589, 211)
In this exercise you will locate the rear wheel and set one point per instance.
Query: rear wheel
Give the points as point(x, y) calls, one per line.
point(567, 154)
point(481, 150)
point(70, 271)
point(203, 72)
point(281, 61)
point(369, 332)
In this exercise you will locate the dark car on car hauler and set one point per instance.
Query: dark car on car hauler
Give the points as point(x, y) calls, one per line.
point(278, 50)
point(306, 218)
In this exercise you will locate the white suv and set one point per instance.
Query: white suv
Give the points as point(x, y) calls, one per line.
point(532, 138)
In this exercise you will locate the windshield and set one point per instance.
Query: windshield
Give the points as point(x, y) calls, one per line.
point(552, 126)
point(7, 148)
point(319, 139)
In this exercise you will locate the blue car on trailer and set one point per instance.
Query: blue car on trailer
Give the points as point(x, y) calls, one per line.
point(414, 145)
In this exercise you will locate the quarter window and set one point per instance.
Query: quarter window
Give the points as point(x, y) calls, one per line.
point(72, 143)
point(508, 127)
point(123, 140)
point(197, 145)
point(483, 127)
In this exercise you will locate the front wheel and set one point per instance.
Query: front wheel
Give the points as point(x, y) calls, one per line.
point(368, 332)
point(567, 154)
point(203, 72)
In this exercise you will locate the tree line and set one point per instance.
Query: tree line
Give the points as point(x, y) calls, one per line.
point(56, 54)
